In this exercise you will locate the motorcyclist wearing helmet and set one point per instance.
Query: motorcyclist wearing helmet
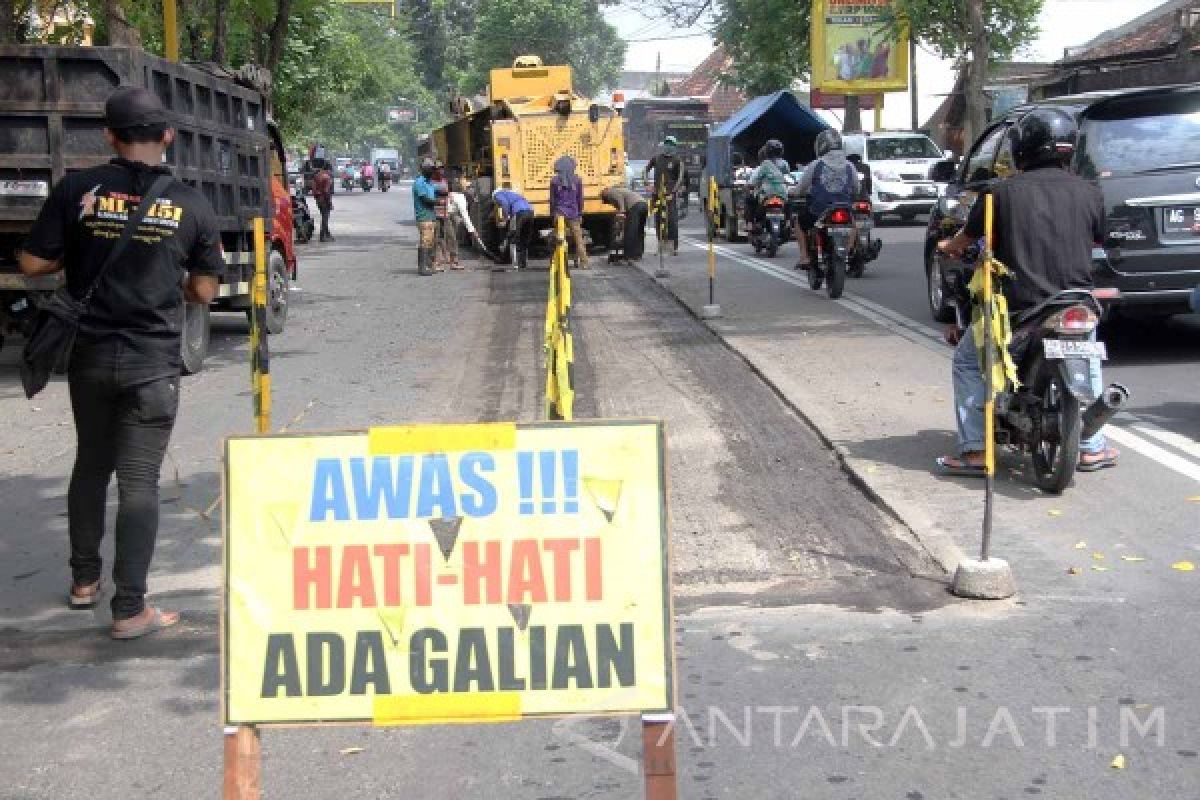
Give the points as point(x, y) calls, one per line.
point(669, 176)
point(828, 181)
point(769, 180)
point(1046, 222)
point(425, 201)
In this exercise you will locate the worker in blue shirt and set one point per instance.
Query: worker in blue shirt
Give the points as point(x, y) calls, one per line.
point(517, 217)
point(425, 212)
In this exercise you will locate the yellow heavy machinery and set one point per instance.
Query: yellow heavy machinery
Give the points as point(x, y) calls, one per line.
point(532, 117)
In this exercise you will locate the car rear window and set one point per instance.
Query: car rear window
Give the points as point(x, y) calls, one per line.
point(1141, 134)
point(884, 148)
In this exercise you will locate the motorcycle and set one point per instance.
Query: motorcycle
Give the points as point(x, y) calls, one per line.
point(385, 181)
point(1053, 407)
point(831, 246)
point(366, 182)
point(771, 230)
point(302, 219)
point(867, 247)
point(347, 181)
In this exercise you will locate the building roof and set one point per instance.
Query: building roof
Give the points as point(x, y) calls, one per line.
point(1157, 29)
point(705, 81)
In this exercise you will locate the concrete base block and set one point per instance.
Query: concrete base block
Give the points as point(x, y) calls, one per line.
point(984, 580)
point(710, 312)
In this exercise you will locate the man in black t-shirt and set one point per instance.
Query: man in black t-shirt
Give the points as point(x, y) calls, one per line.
point(1046, 220)
point(669, 176)
point(125, 366)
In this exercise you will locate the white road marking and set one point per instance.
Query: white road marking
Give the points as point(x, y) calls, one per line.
point(1127, 429)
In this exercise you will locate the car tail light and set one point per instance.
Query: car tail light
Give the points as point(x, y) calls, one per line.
point(862, 207)
point(1074, 319)
point(840, 216)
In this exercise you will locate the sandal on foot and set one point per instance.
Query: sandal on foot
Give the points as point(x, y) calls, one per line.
point(84, 597)
point(957, 466)
point(1103, 460)
point(143, 624)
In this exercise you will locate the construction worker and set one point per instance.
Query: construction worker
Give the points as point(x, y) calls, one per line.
point(630, 222)
point(566, 201)
point(425, 213)
point(669, 176)
point(518, 220)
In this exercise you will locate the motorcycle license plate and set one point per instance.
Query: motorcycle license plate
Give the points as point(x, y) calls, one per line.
point(24, 189)
point(1059, 348)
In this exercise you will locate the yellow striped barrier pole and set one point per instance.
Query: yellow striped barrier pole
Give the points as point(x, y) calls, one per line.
point(260, 361)
point(559, 346)
point(661, 213)
point(712, 310)
point(989, 407)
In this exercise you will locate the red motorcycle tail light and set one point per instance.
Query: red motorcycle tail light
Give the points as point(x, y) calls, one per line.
point(1074, 319)
point(840, 216)
point(774, 202)
point(862, 207)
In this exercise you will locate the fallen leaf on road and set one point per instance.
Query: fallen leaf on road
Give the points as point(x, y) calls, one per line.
point(1118, 762)
point(1081, 545)
point(1098, 556)
point(1132, 558)
point(1074, 571)
point(1098, 568)
point(350, 751)
point(1183, 566)
point(1054, 512)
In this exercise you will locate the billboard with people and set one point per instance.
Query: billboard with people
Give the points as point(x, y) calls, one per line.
point(856, 49)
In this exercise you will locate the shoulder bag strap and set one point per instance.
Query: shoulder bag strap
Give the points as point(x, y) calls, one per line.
point(135, 219)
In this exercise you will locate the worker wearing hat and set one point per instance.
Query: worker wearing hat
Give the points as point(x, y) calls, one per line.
point(125, 365)
point(669, 176)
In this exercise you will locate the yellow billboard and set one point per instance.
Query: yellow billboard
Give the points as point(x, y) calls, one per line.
point(854, 50)
point(446, 573)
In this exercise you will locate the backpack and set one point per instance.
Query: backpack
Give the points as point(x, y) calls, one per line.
point(830, 186)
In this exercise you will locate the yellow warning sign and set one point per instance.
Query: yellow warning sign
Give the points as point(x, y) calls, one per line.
point(446, 573)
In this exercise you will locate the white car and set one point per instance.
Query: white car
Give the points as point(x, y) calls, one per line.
point(900, 165)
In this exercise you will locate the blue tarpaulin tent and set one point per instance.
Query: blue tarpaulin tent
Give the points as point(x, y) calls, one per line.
point(770, 116)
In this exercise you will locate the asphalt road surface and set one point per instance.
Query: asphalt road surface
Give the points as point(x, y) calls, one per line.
point(819, 653)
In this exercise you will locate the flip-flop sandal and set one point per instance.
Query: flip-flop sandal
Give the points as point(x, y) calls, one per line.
point(157, 622)
point(944, 467)
point(1098, 464)
point(86, 600)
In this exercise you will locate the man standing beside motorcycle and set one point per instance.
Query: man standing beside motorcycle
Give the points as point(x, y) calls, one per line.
point(828, 181)
point(669, 176)
point(1046, 222)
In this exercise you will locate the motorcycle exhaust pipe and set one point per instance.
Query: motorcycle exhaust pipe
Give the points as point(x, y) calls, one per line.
point(1097, 415)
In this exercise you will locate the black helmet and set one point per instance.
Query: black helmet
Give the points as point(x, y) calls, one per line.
point(828, 140)
point(1043, 136)
point(427, 166)
point(773, 148)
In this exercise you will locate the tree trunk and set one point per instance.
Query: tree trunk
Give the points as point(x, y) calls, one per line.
point(853, 120)
point(977, 74)
point(8, 22)
point(220, 31)
point(118, 31)
point(278, 35)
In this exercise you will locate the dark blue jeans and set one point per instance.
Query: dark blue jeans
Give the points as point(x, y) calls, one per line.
point(124, 405)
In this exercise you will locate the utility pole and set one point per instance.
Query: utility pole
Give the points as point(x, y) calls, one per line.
point(976, 116)
point(912, 84)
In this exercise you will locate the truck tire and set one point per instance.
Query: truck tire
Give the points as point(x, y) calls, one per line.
point(194, 345)
point(277, 292)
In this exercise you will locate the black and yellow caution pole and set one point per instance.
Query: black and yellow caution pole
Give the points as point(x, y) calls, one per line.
point(260, 361)
point(559, 346)
point(712, 310)
point(988, 578)
point(660, 226)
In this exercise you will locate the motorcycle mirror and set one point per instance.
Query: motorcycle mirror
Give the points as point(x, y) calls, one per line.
point(943, 172)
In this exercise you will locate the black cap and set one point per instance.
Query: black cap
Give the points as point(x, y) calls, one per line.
point(131, 107)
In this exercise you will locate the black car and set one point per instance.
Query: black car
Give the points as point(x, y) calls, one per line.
point(1142, 148)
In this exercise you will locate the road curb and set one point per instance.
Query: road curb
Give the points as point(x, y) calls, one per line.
point(938, 544)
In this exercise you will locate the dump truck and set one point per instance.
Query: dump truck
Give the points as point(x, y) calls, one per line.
point(52, 122)
point(530, 117)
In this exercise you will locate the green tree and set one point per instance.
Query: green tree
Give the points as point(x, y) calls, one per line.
point(973, 32)
point(560, 31)
point(751, 32)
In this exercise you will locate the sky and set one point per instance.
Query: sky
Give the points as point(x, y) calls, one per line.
point(1063, 23)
